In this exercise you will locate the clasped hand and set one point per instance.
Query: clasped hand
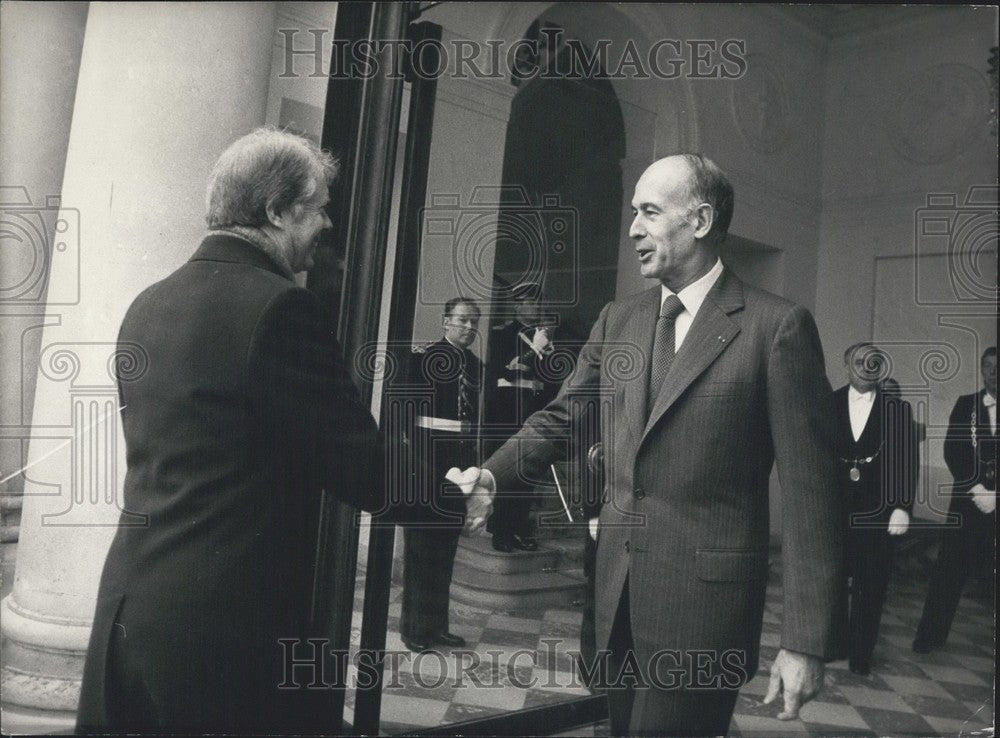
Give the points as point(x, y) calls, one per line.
point(899, 522)
point(984, 499)
point(479, 488)
point(540, 342)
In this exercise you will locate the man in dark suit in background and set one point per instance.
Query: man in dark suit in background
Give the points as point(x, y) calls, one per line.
point(879, 458)
point(445, 378)
point(689, 443)
point(967, 540)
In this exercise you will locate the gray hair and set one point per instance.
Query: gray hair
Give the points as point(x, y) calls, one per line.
point(265, 167)
point(710, 184)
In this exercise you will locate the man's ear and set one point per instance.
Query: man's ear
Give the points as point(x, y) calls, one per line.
point(705, 216)
point(274, 217)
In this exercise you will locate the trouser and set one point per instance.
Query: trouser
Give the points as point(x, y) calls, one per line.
point(647, 710)
point(965, 549)
point(869, 553)
point(511, 515)
point(428, 561)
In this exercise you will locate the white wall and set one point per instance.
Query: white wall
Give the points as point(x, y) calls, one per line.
point(906, 112)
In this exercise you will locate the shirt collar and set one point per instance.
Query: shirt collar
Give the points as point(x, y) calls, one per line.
point(855, 396)
point(988, 399)
point(694, 294)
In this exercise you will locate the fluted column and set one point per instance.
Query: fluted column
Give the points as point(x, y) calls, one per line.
point(40, 45)
point(163, 88)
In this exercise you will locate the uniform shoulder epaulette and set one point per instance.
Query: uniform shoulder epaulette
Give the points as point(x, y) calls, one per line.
point(421, 348)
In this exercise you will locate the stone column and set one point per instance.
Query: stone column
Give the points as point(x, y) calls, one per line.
point(162, 89)
point(40, 45)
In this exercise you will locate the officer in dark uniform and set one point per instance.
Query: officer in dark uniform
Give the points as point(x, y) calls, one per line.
point(444, 380)
point(520, 380)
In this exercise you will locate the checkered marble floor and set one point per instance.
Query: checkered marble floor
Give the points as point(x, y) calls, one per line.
point(947, 693)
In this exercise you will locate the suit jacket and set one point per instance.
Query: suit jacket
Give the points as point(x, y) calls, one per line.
point(686, 511)
point(889, 481)
point(240, 415)
point(969, 464)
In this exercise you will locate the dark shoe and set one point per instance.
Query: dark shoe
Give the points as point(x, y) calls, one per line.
point(525, 543)
point(449, 639)
point(862, 667)
point(416, 645)
point(922, 647)
point(502, 544)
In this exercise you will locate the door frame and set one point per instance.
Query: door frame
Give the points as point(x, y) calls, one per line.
point(368, 113)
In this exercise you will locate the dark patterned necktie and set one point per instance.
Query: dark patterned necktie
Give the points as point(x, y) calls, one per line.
point(663, 347)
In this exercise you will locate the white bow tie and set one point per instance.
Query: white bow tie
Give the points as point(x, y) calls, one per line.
point(989, 400)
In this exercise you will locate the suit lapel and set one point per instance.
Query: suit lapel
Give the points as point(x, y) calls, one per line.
point(984, 429)
point(640, 331)
point(710, 333)
point(871, 435)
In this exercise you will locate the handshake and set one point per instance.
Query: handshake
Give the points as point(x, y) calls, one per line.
point(479, 487)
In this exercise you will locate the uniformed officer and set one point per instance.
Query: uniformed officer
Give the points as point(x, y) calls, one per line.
point(445, 379)
point(520, 381)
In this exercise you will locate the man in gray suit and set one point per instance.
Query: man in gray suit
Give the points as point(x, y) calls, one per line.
point(734, 381)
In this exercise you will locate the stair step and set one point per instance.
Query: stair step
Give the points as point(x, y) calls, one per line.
point(528, 590)
point(477, 552)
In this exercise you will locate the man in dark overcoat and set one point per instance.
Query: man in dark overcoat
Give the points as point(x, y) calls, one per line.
point(244, 413)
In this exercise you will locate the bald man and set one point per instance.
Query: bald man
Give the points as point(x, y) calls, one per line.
point(728, 379)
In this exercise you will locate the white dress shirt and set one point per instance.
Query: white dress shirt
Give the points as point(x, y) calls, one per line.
point(691, 298)
point(860, 405)
point(991, 409)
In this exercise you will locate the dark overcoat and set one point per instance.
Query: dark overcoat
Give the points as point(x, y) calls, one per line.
point(240, 414)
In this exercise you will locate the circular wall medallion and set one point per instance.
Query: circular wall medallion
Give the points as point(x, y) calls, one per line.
point(933, 114)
